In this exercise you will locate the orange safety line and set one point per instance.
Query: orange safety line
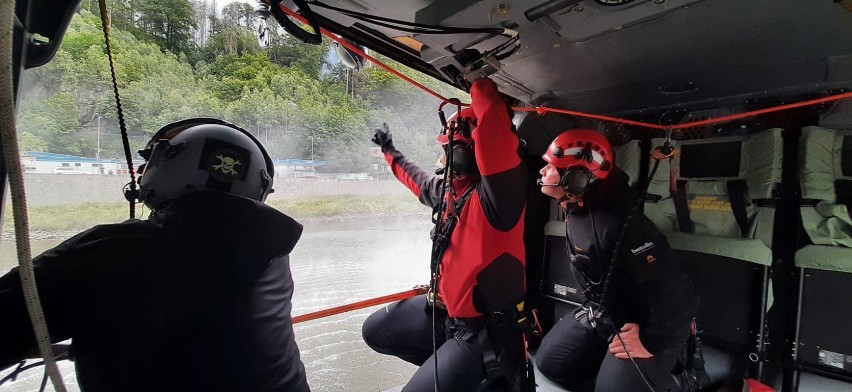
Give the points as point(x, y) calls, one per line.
point(360, 305)
point(830, 98)
point(355, 49)
point(541, 110)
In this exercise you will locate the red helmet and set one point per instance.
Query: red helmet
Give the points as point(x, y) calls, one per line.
point(581, 148)
point(460, 134)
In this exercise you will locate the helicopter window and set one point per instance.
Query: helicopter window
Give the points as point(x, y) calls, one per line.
point(711, 160)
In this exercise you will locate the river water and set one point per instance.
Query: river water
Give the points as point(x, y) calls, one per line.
point(333, 264)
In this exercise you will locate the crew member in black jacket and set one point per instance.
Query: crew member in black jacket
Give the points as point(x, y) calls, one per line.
point(195, 298)
point(646, 312)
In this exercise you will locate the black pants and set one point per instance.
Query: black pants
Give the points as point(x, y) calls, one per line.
point(572, 353)
point(404, 329)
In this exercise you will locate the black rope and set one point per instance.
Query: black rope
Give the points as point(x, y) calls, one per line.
point(634, 209)
point(19, 369)
point(43, 382)
point(635, 365)
point(438, 240)
point(132, 193)
point(631, 215)
point(23, 366)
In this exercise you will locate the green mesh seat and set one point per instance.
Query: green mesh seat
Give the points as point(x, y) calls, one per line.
point(718, 216)
point(825, 265)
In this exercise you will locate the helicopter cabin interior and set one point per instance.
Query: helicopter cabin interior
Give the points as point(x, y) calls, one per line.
point(758, 208)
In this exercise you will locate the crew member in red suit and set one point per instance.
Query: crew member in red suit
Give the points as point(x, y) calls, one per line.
point(480, 274)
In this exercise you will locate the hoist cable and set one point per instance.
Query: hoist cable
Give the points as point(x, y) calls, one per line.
point(131, 194)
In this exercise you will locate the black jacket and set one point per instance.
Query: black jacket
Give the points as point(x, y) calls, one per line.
point(649, 287)
point(196, 298)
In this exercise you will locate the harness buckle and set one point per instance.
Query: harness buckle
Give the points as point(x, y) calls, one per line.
point(430, 299)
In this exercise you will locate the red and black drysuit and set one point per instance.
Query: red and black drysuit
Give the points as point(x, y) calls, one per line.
point(482, 268)
point(649, 288)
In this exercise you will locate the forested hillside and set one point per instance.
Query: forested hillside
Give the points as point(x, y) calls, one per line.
point(178, 58)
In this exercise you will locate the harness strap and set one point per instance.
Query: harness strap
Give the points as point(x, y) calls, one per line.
point(737, 193)
point(684, 222)
point(493, 370)
point(441, 236)
point(505, 369)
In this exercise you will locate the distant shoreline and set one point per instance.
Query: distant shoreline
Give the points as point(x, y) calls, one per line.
point(46, 235)
point(78, 217)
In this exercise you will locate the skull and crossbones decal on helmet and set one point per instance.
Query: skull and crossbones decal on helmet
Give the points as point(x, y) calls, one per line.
point(224, 165)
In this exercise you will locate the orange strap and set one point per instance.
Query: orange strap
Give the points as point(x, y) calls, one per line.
point(361, 304)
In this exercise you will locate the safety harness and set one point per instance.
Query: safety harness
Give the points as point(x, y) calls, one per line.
point(505, 371)
point(446, 214)
point(500, 330)
point(691, 374)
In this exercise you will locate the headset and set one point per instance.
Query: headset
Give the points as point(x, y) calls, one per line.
point(582, 157)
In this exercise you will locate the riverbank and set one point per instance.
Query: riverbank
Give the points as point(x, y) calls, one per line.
point(63, 221)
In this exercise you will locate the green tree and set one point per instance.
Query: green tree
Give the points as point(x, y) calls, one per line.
point(239, 15)
point(287, 51)
point(168, 22)
point(31, 142)
point(287, 101)
point(230, 76)
point(232, 40)
point(54, 121)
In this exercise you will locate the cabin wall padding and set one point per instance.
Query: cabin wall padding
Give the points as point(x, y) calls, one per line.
point(825, 221)
point(628, 157)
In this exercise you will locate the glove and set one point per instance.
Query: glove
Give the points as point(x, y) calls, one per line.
point(383, 138)
point(483, 93)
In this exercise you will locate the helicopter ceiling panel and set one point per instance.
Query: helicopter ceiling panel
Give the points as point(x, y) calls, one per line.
point(615, 55)
point(607, 56)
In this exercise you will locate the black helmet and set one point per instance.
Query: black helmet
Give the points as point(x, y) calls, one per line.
point(202, 154)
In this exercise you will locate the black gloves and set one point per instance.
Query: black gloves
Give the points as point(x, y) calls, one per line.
point(383, 139)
